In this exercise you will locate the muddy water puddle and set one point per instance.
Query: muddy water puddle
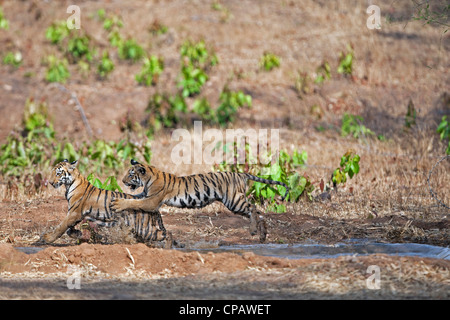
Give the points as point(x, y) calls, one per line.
point(322, 251)
point(313, 251)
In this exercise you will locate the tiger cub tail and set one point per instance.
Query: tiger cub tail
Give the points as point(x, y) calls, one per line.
point(258, 179)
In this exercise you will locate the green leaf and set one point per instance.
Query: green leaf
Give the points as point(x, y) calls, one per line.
point(277, 208)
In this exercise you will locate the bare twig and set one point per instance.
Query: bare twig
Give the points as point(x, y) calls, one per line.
point(79, 107)
point(130, 256)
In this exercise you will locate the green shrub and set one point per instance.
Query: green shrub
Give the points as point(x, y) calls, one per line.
point(269, 61)
point(57, 32)
point(4, 23)
point(165, 111)
point(38, 148)
point(323, 72)
point(346, 61)
point(105, 66)
point(130, 50)
point(151, 70)
point(444, 131)
point(202, 108)
point(79, 47)
point(283, 170)
point(196, 58)
point(191, 80)
point(75, 44)
point(352, 124)
point(230, 102)
point(57, 70)
point(198, 55)
point(13, 59)
point(349, 166)
point(112, 24)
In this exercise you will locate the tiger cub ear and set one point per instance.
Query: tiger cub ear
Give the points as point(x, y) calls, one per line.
point(134, 162)
point(74, 164)
point(141, 170)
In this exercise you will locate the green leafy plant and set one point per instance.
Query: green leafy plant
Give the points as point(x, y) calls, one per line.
point(4, 23)
point(196, 59)
point(202, 108)
point(105, 66)
point(130, 50)
point(323, 72)
point(115, 39)
point(57, 32)
point(13, 59)
point(36, 120)
point(198, 55)
point(284, 169)
point(346, 61)
point(109, 184)
point(230, 102)
point(269, 61)
point(79, 47)
point(165, 111)
point(66, 150)
point(151, 70)
point(112, 24)
point(349, 166)
point(191, 80)
point(35, 147)
point(57, 70)
point(352, 124)
point(444, 131)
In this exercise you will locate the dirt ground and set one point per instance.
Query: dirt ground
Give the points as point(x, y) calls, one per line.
point(130, 270)
point(388, 201)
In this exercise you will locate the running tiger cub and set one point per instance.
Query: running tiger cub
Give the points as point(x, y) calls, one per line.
point(195, 191)
point(89, 202)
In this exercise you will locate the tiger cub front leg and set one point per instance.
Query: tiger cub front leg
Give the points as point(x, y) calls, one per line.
point(68, 222)
point(258, 224)
point(146, 204)
point(262, 229)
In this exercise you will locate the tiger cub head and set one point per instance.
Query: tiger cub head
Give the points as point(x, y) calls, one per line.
point(64, 173)
point(137, 175)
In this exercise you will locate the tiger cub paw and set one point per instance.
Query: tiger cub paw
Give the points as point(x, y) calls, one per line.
point(117, 205)
point(47, 238)
point(253, 225)
point(262, 229)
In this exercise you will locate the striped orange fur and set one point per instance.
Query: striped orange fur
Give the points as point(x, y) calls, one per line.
point(195, 191)
point(86, 201)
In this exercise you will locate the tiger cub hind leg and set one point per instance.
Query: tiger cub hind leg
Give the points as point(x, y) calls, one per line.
point(262, 229)
point(241, 206)
point(157, 219)
point(258, 224)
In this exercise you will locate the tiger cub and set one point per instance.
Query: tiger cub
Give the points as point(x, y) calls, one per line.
point(88, 202)
point(195, 191)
